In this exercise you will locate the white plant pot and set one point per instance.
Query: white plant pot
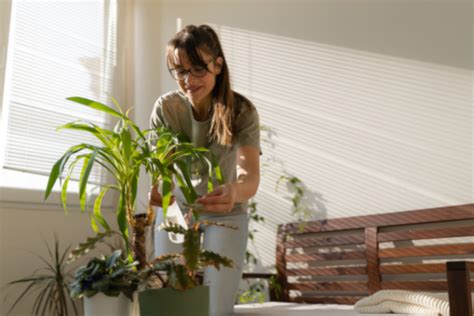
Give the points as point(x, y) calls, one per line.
point(102, 305)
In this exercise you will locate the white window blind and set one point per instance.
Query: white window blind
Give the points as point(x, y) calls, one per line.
point(57, 49)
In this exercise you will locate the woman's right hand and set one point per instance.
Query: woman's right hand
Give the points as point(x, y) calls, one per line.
point(155, 196)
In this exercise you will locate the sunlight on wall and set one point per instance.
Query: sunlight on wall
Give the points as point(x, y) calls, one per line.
point(366, 133)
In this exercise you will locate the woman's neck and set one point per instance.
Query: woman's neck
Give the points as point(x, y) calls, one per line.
point(201, 109)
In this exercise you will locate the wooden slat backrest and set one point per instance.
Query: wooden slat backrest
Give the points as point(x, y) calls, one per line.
point(341, 260)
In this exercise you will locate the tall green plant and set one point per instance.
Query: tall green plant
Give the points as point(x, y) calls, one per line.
point(123, 150)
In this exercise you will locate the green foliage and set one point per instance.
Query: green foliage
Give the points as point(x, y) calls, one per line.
point(49, 284)
point(181, 268)
point(275, 286)
point(253, 218)
point(123, 150)
point(296, 186)
point(109, 275)
point(255, 293)
point(191, 248)
point(89, 244)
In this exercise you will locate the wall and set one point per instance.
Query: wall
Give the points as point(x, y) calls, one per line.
point(5, 7)
point(369, 103)
point(24, 232)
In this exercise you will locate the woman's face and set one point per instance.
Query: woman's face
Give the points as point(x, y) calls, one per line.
point(197, 88)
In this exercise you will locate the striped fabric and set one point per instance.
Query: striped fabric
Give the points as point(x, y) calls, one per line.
point(400, 301)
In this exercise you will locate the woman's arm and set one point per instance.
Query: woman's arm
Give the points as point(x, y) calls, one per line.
point(223, 198)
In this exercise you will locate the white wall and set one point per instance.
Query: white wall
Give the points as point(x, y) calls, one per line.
point(369, 102)
point(24, 230)
point(5, 7)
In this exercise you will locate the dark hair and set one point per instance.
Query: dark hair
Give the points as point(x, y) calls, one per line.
point(223, 112)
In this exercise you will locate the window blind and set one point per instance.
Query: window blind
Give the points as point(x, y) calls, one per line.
point(57, 49)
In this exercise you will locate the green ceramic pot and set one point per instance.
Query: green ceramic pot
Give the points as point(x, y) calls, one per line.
point(170, 302)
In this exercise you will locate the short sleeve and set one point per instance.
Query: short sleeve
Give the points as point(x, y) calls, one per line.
point(248, 128)
point(157, 119)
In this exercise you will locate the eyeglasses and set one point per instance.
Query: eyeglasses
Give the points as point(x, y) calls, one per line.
point(196, 71)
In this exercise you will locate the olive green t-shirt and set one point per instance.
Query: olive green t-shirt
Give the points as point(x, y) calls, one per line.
point(174, 110)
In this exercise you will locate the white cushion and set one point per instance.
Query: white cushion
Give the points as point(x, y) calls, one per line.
point(294, 309)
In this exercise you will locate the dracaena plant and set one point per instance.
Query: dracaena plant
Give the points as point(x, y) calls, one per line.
point(48, 285)
point(123, 150)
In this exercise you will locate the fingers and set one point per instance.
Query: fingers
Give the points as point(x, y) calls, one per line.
point(155, 197)
point(213, 199)
point(218, 201)
point(216, 192)
point(218, 208)
point(218, 204)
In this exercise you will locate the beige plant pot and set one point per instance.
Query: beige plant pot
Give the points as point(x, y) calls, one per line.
point(102, 305)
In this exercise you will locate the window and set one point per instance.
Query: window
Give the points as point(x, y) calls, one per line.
point(56, 49)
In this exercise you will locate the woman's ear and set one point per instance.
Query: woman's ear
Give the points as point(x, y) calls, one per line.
point(218, 64)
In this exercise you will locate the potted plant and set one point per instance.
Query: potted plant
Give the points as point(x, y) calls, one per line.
point(180, 292)
point(105, 277)
point(50, 285)
point(123, 151)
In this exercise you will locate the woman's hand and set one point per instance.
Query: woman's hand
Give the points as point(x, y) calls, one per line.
point(221, 200)
point(155, 197)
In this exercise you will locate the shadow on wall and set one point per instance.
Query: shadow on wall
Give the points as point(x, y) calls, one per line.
point(307, 204)
point(370, 133)
point(360, 127)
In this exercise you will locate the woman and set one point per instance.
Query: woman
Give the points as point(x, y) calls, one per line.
point(212, 115)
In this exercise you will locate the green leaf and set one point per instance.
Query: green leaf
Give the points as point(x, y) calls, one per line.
point(166, 193)
point(135, 186)
point(174, 228)
point(191, 247)
point(89, 244)
point(117, 105)
point(66, 183)
point(94, 225)
point(95, 130)
point(97, 208)
point(209, 258)
point(186, 192)
point(179, 279)
point(113, 258)
point(122, 221)
point(64, 193)
point(185, 172)
point(217, 170)
point(96, 106)
point(56, 172)
point(86, 170)
point(127, 143)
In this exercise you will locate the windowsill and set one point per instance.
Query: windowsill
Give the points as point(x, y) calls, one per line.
point(21, 190)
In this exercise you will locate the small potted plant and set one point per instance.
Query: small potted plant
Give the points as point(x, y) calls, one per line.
point(105, 277)
point(180, 292)
point(49, 285)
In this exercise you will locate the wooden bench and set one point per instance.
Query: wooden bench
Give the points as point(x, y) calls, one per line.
point(339, 261)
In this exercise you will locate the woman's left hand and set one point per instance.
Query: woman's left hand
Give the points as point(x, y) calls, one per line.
point(221, 200)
